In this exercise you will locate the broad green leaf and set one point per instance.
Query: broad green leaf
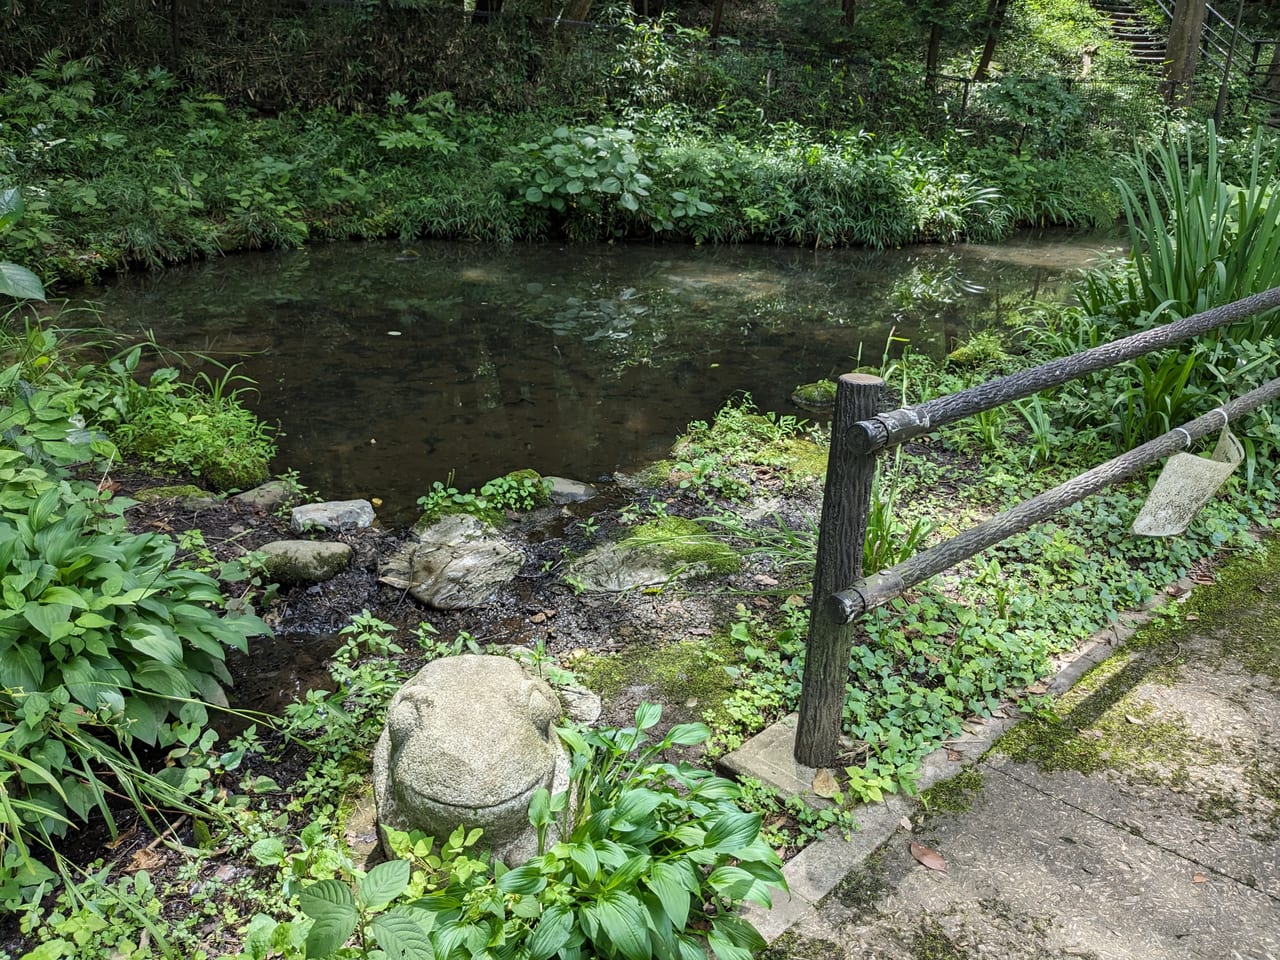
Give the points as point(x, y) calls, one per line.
point(400, 936)
point(525, 880)
point(155, 642)
point(11, 207)
point(647, 714)
point(732, 882)
point(21, 666)
point(669, 883)
point(688, 733)
point(19, 282)
point(330, 904)
point(46, 617)
point(586, 864)
point(384, 883)
point(72, 598)
point(551, 933)
point(623, 923)
point(268, 851)
point(626, 876)
point(734, 829)
point(737, 931)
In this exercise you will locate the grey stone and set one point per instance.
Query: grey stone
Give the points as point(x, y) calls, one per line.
point(616, 567)
point(304, 561)
point(468, 742)
point(333, 515)
point(454, 564)
point(582, 705)
point(267, 496)
point(563, 490)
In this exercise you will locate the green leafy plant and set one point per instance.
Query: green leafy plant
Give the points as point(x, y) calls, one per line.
point(16, 281)
point(640, 858)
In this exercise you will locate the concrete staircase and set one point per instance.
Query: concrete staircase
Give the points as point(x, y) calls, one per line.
point(1135, 31)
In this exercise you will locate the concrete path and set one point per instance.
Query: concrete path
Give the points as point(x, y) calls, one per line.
point(1143, 823)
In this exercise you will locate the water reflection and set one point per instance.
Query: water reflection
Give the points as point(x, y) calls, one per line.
point(389, 368)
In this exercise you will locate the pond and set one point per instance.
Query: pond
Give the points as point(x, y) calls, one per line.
point(388, 368)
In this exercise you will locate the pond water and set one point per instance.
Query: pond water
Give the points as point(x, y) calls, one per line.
point(387, 368)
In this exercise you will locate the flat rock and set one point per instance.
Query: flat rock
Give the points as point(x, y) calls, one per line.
point(453, 564)
point(564, 490)
point(333, 515)
point(267, 496)
point(304, 561)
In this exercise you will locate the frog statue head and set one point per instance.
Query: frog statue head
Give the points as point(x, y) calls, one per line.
point(469, 741)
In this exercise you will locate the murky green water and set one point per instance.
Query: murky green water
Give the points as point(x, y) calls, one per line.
point(387, 369)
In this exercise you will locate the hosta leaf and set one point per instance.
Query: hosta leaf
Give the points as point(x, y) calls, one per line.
point(46, 617)
point(647, 714)
point(732, 831)
point(668, 882)
point(551, 933)
point(155, 642)
point(525, 880)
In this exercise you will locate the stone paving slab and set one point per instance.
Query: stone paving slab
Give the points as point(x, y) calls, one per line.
point(1146, 827)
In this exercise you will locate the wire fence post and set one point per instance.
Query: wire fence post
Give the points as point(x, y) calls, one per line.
point(841, 534)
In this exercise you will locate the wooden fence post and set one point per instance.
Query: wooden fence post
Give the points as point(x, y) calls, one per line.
point(843, 529)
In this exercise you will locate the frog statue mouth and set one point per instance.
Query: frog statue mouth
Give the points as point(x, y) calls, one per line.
point(501, 818)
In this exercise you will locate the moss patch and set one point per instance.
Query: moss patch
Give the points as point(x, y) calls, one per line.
point(982, 349)
point(684, 543)
point(932, 943)
point(683, 673)
point(865, 886)
point(1102, 725)
point(801, 459)
point(183, 491)
point(819, 395)
point(954, 795)
point(1250, 583)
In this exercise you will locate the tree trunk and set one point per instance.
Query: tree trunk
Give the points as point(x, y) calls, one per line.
point(849, 10)
point(1184, 46)
point(717, 16)
point(994, 21)
point(933, 56)
point(485, 11)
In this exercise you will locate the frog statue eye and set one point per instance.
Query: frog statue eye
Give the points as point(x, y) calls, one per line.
point(544, 707)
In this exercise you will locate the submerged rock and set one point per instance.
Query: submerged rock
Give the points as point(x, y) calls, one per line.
point(453, 564)
point(468, 742)
point(564, 490)
point(304, 561)
point(333, 515)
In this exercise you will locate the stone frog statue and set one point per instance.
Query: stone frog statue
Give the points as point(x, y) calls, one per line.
point(469, 740)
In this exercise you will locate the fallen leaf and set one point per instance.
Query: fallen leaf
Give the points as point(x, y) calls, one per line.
point(1136, 721)
point(929, 858)
point(144, 859)
point(1199, 878)
point(1192, 617)
point(824, 783)
point(1038, 688)
point(766, 581)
